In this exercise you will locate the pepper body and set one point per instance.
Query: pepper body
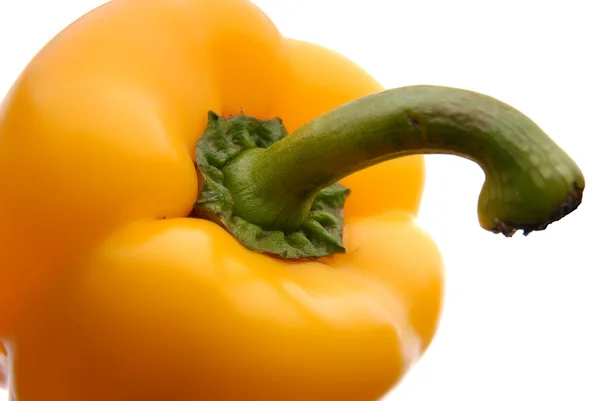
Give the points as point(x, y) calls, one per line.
point(137, 301)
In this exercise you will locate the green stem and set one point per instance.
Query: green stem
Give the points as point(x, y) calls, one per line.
point(278, 193)
point(530, 181)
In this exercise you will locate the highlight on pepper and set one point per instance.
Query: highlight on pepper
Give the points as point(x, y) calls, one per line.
point(187, 210)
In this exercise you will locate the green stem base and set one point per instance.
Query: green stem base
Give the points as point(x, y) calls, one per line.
point(320, 233)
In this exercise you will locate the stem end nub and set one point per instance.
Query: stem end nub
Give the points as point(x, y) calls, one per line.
point(570, 203)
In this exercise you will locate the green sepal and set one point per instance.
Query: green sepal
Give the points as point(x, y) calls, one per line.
point(226, 138)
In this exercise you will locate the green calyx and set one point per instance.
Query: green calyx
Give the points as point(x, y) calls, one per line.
point(224, 140)
point(278, 193)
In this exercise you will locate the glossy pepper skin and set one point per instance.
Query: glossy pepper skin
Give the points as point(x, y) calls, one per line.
point(108, 290)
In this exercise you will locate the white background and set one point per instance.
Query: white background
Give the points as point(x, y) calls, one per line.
point(521, 315)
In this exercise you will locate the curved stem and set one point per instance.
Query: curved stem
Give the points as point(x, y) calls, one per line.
point(530, 181)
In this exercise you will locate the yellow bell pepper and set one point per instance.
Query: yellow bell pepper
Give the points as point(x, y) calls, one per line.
point(143, 259)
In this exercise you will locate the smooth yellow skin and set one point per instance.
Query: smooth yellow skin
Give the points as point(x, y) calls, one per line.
point(109, 292)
